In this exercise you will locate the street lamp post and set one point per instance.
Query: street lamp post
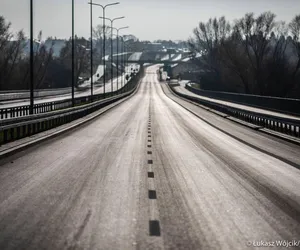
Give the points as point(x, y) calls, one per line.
point(73, 57)
point(31, 59)
point(111, 45)
point(121, 64)
point(118, 52)
point(91, 15)
point(103, 8)
point(123, 58)
point(126, 59)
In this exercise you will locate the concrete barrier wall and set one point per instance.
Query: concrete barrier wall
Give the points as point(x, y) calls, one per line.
point(283, 105)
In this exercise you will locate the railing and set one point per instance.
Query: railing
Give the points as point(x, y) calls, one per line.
point(284, 105)
point(283, 125)
point(13, 112)
point(25, 94)
point(32, 124)
point(153, 61)
point(37, 90)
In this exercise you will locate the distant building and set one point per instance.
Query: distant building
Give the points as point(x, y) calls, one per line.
point(154, 46)
point(26, 47)
point(58, 44)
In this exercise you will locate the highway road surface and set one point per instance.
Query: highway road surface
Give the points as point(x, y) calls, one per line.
point(149, 174)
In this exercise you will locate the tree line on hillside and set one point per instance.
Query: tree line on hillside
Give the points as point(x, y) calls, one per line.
point(253, 55)
point(50, 71)
point(53, 57)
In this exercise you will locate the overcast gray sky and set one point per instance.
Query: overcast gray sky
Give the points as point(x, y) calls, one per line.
point(148, 20)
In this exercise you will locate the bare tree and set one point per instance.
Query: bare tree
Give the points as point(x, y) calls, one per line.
point(42, 59)
point(98, 36)
point(207, 38)
point(295, 31)
point(233, 57)
point(256, 32)
point(205, 48)
point(5, 34)
point(251, 53)
point(277, 65)
point(98, 31)
point(82, 56)
point(17, 48)
point(11, 49)
point(5, 37)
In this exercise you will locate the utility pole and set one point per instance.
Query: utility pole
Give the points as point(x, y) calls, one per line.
point(103, 8)
point(31, 60)
point(73, 57)
point(91, 10)
point(111, 45)
point(118, 53)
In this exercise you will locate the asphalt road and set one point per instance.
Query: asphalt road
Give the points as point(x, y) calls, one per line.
point(151, 175)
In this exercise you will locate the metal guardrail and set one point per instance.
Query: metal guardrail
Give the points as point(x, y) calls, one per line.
point(32, 124)
point(37, 90)
point(24, 94)
point(283, 125)
point(277, 104)
point(14, 112)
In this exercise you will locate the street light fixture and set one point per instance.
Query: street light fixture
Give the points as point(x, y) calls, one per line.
point(118, 29)
point(31, 59)
point(73, 57)
point(103, 8)
point(111, 45)
point(91, 16)
point(124, 61)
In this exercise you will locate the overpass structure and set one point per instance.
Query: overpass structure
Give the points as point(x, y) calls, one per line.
point(155, 57)
point(155, 61)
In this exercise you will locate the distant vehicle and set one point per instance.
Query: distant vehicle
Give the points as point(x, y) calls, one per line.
point(168, 79)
